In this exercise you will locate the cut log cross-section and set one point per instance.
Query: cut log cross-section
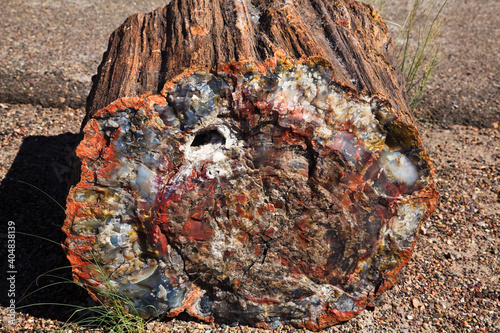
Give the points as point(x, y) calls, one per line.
point(251, 162)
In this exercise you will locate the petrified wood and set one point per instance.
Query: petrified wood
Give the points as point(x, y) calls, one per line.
point(274, 173)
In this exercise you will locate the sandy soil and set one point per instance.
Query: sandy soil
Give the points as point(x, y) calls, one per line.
point(451, 283)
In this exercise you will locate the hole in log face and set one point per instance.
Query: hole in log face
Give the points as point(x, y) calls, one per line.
point(212, 137)
point(261, 193)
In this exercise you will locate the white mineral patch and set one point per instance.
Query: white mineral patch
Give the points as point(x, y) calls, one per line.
point(334, 99)
point(215, 152)
point(218, 245)
point(323, 132)
point(88, 196)
point(144, 182)
point(112, 123)
point(219, 169)
point(124, 228)
point(163, 292)
point(305, 90)
point(361, 115)
point(404, 225)
point(398, 167)
point(124, 172)
point(205, 152)
point(143, 274)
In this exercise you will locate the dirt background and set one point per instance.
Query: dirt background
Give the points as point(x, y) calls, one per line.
point(50, 49)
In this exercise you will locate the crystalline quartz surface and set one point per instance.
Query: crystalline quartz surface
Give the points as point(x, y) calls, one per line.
point(259, 195)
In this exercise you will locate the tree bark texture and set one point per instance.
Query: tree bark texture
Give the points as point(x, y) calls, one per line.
point(150, 49)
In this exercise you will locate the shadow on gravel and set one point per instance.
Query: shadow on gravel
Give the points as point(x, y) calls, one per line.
point(46, 163)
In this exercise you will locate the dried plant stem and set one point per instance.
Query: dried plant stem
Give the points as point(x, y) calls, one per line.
point(417, 46)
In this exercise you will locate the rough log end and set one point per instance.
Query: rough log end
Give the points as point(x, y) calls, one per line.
point(262, 192)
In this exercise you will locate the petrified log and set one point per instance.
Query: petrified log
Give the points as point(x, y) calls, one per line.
point(276, 174)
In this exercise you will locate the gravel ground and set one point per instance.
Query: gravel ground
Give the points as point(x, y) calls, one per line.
point(49, 49)
point(465, 88)
point(451, 283)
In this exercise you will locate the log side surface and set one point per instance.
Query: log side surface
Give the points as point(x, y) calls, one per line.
point(151, 49)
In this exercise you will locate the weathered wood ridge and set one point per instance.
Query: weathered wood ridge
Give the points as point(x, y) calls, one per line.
point(251, 162)
point(150, 49)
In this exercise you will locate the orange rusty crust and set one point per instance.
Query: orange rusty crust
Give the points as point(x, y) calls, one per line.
point(146, 101)
point(428, 197)
point(72, 210)
point(79, 247)
point(245, 65)
point(189, 304)
point(241, 198)
point(93, 146)
point(328, 318)
point(82, 268)
point(151, 101)
point(86, 177)
point(109, 155)
point(200, 30)
point(177, 78)
point(93, 141)
point(121, 104)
